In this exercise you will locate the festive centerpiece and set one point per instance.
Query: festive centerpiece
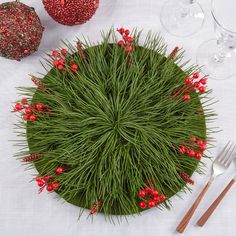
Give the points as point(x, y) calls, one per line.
point(117, 127)
point(20, 30)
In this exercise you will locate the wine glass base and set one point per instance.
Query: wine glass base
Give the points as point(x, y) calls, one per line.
point(182, 19)
point(217, 67)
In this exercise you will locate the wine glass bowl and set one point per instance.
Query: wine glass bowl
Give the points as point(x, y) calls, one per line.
point(219, 55)
point(182, 17)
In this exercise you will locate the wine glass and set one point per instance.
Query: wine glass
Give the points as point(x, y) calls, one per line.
point(218, 56)
point(182, 17)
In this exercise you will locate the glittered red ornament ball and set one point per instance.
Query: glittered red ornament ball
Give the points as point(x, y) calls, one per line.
point(71, 12)
point(20, 30)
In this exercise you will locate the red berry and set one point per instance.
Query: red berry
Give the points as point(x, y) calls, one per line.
point(33, 118)
point(74, 67)
point(121, 43)
point(142, 205)
point(128, 49)
point(49, 188)
point(59, 170)
point(196, 84)
point(38, 178)
point(203, 81)
point(28, 111)
point(151, 203)
point(188, 80)
point(18, 106)
point(121, 30)
point(198, 155)
point(196, 75)
point(156, 199)
point(187, 97)
point(55, 185)
point(202, 89)
point(64, 51)
point(129, 39)
point(127, 32)
point(55, 62)
point(60, 67)
point(55, 53)
point(46, 179)
point(24, 101)
point(141, 193)
point(40, 183)
point(25, 117)
point(61, 61)
point(154, 192)
point(39, 106)
point(203, 147)
point(147, 189)
point(182, 150)
point(191, 153)
point(162, 197)
point(200, 142)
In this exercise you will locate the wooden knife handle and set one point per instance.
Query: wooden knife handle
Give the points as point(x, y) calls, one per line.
point(183, 224)
point(214, 205)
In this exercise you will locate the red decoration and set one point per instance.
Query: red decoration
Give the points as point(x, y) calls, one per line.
point(127, 40)
point(141, 193)
point(49, 188)
point(32, 118)
point(18, 107)
point(39, 106)
point(74, 67)
point(198, 155)
point(20, 30)
point(187, 97)
point(188, 80)
point(31, 157)
point(151, 204)
point(196, 75)
point(142, 205)
point(59, 170)
point(151, 195)
point(96, 207)
point(202, 89)
point(191, 153)
point(186, 177)
point(71, 12)
point(55, 185)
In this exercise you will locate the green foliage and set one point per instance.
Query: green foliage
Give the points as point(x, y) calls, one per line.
point(116, 125)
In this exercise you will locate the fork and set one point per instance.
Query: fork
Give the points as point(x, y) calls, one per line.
point(214, 205)
point(219, 166)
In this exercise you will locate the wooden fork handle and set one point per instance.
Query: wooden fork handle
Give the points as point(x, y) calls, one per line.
point(214, 205)
point(183, 224)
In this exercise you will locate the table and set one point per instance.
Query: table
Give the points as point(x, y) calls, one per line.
point(25, 213)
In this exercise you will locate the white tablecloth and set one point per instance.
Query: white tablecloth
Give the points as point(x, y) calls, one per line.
point(23, 212)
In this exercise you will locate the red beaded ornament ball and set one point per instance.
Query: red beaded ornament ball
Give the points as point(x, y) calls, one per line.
point(71, 12)
point(20, 30)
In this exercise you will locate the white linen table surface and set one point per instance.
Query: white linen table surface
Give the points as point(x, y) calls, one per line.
point(23, 212)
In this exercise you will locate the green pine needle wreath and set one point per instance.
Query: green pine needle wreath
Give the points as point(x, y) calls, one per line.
point(114, 123)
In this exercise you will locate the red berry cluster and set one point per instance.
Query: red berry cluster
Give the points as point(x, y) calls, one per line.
point(30, 110)
point(197, 147)
point(186, 177)
point(60, 61)
point(195, 83)
point(150, 197)
point(46, 181)
point(126, 41)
